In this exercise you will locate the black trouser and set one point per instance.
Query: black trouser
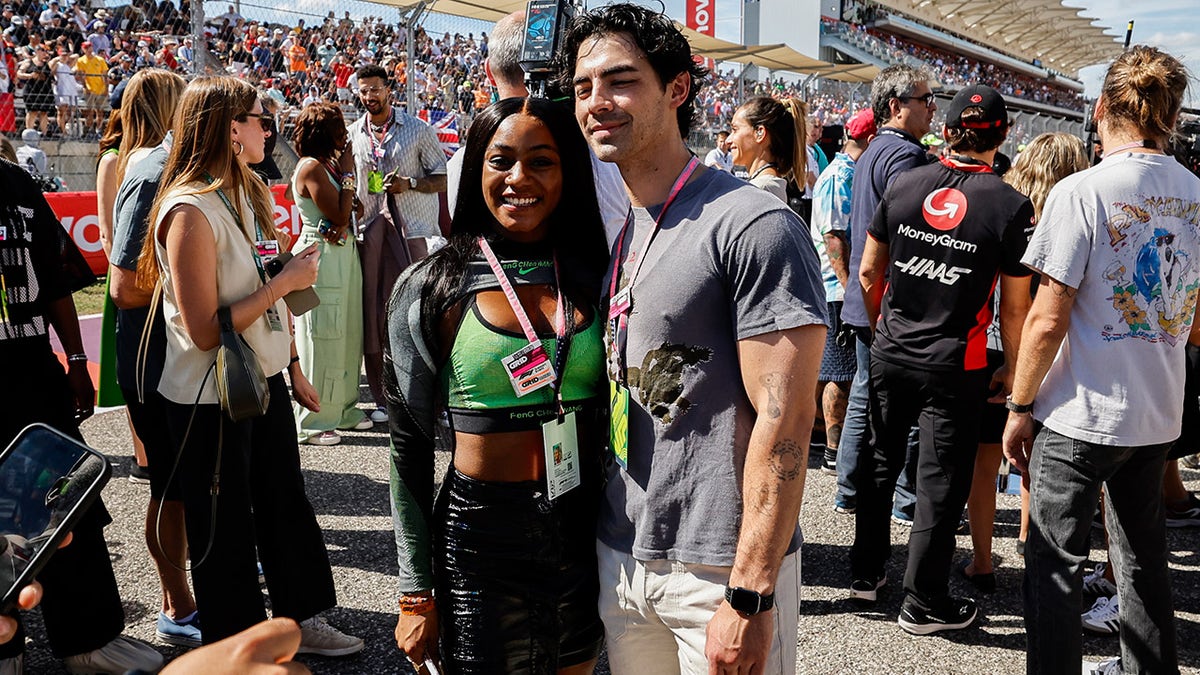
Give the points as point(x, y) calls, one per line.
point(81, 605)
point(945, 406)
point(261, 503)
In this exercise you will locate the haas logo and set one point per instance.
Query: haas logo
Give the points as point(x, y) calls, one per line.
point(944, 208)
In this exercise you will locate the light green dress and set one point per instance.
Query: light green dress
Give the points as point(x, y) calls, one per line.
point(108, 393)
point(329, 337)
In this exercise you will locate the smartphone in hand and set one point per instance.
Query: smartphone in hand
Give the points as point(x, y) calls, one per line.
point(48, 481)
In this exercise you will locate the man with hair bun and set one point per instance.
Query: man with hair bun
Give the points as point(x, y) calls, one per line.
point(948, 233)
point(1102, 369)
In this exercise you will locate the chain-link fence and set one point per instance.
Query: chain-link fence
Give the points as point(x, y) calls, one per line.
point(308, 50)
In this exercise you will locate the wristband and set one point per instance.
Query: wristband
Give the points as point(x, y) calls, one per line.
point(415, 605)
point(76, 358)
point(1018, 408)
point(294, 361)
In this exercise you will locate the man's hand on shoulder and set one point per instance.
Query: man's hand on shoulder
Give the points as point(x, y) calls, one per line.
point(736, 643)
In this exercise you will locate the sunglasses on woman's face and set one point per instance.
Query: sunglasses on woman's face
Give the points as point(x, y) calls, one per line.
point(264, 119)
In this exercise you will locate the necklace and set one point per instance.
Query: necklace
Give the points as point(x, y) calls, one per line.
point(1145, 144)
point(764, 167)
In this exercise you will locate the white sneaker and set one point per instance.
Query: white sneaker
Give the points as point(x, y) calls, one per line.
point(379, 415)
point(323, 438)
point(318, 637)
point(116, 658)
point(364, 424)
point(1106, 667)
point(1096, 584)
point(1104, 617)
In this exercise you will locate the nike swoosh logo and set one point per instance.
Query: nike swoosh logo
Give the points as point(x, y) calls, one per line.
point(525, 270)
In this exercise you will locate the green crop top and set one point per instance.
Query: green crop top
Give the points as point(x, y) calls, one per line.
point(480, 398)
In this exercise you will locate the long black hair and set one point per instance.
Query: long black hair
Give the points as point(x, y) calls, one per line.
point(575, 233)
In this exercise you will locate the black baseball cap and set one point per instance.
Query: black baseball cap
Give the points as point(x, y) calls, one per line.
point(995, 112)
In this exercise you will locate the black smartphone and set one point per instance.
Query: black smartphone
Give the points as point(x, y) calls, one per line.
point(48, 480)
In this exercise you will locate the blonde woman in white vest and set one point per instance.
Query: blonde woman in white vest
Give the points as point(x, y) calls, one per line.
point(212, 224)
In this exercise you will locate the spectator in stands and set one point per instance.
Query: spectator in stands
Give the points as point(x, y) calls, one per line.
point(91, 70)
point(1105, 375)
point(66, 90)
point(720, 157)
point(38, 79)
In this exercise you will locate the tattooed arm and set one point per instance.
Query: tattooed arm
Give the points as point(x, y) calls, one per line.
point(1045, 327)
point(779, 373)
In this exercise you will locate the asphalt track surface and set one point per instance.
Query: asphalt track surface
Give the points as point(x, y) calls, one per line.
point(347, 485)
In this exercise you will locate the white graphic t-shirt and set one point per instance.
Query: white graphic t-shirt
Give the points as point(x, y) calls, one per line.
point(1126, 234)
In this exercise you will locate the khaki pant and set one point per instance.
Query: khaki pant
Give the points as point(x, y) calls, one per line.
point(656, 613)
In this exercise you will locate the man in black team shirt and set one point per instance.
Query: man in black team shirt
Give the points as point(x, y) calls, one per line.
point(947, 231)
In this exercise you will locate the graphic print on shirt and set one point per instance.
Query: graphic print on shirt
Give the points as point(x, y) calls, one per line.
point(19, 287)
point(1153, 277)
point(944, 208)
point(659, 381)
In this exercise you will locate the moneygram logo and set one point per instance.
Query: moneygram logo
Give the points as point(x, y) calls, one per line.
point(944, 208)
point(937, 239)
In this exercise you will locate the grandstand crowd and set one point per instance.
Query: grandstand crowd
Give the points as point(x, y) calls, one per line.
point(64, 58)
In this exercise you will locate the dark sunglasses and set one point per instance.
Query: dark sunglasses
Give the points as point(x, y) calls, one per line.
point(927, 99)
point(264, 119)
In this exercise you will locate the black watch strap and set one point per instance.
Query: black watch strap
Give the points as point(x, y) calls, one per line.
point(1017, 408)
point(746, 601)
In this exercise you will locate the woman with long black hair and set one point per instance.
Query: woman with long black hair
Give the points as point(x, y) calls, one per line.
point(500, 330)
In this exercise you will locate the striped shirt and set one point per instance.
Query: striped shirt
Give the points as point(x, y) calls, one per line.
point(411, 146)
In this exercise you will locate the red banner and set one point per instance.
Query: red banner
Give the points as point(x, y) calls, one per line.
point(77, 212)
point(701, 14)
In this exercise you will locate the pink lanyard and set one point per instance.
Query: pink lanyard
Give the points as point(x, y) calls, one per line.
point(560, 317)
point(620, 322)
point(377, 148)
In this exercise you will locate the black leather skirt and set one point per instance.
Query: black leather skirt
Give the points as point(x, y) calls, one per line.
point(516, 576)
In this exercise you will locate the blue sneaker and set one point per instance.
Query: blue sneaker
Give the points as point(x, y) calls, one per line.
point(185, 633)
point(843, 505)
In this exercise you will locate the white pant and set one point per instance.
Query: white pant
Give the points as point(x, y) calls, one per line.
point(656, 612)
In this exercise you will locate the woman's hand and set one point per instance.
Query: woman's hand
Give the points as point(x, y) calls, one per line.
point(346, 159)
point(300, 272)
point(303, 390)
point(417, 637)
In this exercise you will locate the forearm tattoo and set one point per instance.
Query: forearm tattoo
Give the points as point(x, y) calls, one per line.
point(787, 460)
point(773, 383)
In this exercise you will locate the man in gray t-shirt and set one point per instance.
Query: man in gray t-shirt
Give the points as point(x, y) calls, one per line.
point(716, 328)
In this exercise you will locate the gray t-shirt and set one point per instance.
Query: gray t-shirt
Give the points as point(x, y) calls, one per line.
point(131, 210)
point(730, 262)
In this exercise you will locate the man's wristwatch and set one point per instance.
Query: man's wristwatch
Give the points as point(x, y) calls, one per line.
point(412, 183)
point(1016, 407)
point(748, 602)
